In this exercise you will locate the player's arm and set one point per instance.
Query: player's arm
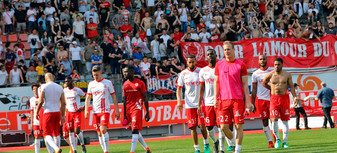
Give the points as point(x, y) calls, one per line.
point(216, 90)
point(117, 114)
point(62, 108)
point(244, 80)
point(179, 104)
point(201, 95)
point(146, 103)
point(254, 90)
point(292, 89)
point(266, 81)
point(31, 117)
point(86, 106)
point(39, 105)
point(124, 106)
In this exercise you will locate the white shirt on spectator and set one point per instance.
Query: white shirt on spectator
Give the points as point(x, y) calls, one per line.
point(277, 32)
point(93, 15)
point(313, 10)
point(15, 76)
point(195, 36)
point(3, 77)
point(49, 12)
point(36, 37)
point(270, 34)
point(183, 16)
point(165, 38)
point(155, 47)
point(78, 27)
point(212, 26)
point(145, 67)
point(7, 17)
point(150, 3)
point(75, 53)
point(135, 40)
point(162, 48)
point(31, 13)
point(207, 19)
point(204, 37)
point(158, 15)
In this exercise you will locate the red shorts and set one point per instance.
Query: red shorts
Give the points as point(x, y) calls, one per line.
point(37, 131)
point(41, 118)
point(210, 116)
point(65, 130)
point(280, 106)
point(73, 119)
point(101, 119)
point(51, 124)
point(136, 119)
point(231, 109)
point(193, 118)
point(263, 108)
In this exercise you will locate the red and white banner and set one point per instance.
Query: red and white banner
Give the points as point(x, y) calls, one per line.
point(296, 53)
point(161, 113)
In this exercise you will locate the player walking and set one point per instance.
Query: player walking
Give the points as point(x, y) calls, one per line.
point(52, 97)
point(73, 116)
point(263, 96)
point(134, 92)
point(36, 123)
point(231, 87)
point(279, 99)
point(101, 89)
point(190, 79)
point(206, 80)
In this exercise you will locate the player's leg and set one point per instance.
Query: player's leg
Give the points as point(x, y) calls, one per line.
point(285, 117)
point(96, 123)
point(231, 142)
point(221, 140)
point(79, 135)
point(192, 118)
point(51, 120)
point(210, 121)
point(239, 136)
point(267, 132)
point(104, 119)
point(38, 136)
point(274, 115)
point(263, 107)
point(137, 125)
point(72, 139)
point(194, 135)
point(201, 124)
point(135, 136)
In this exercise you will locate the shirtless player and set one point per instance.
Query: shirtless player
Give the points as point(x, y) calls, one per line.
point(279, 99)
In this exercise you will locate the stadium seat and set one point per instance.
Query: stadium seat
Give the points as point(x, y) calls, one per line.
point(23, 37)
point(11, 46)
point(4, 38)
point(27, 46)
point(27, 55)
point(13, 38)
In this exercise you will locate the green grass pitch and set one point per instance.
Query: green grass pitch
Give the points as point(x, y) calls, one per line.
point(304, 141)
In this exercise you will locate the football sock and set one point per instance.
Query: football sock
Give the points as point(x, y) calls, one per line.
point(72, 141)
point(141, 140)
point(237, 148)
point(49, 148)
point(101, 142)
point(80, 138)
point(285, 131)
point(196, 147)
point(134, 142)
point(51, 142)
point(222, 141)
point(267, 132)
point(275, 129)
point(37, 145)
point(105, 138)
point(212, 135)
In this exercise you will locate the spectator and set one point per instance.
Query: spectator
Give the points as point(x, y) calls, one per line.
point(67, 39)
point(165, 37)
point(39, 68)
point(165, 68)
point(23, 69)
point(20, 17)
point(18, 52)
point(331, 30)
point(51, 67)
point(42, 20)
point(79, 29)
point(291, 33)
point(50, 55)
point(268, 33)
point(115, 55)
point(106, 48)
point(118, 19)
point(68, 67)
point(138, 55)
point(109, 35)
point(138, 71)
point(163, 22)
point(299, 109)
point(279, 33)
point(126, 28)
point(76, 76)
point(15, 76)
point(7, 17)
point(92, 30)
point(10, 60)
point(45, 39)
point(49, 11)
point(159, 30)
point(155, 48)
point(172, 43)
point(145, 67)
point(175, 66)
point(96, 59)
point(88, 51)
point(61, 73)
point(204, 35)
point(91, 14)
point(31, 14)
point(177, 35)
point(33, 40)
point(104, 14)
point(325, 96)
point(65, 16)
point(64, 26)
point(116, 32)
point(3, 76)
point(75, 54)
point(157, 14)
point(62, 54)
point(34, 61)
point(135, 41)
point(146, 23)
point(31, 75)
point(201, 25)
point(150, 6)
point(58, 39)
point(127, 41)
point(162, 49)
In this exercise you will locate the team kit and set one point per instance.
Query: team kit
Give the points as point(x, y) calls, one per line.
point(215, 96)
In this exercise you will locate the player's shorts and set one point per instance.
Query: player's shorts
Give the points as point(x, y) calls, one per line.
point(193, 118)
point(280, 106)
point(263, 108)
point(65, 130)
point(101, 119)
point(210, 116)
point(37, 131)
point(136, 119)
point(231, 109)
point(51, 124)
point(41, 118)
point(73, 119)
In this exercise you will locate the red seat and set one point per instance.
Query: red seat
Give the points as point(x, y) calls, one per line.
point(11, 46)
point(23, 37)
point(27, 46)
point(13, 38)
point(4, 38)
point(27, 55)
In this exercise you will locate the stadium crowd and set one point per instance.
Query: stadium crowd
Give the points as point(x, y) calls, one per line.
point(68, 38)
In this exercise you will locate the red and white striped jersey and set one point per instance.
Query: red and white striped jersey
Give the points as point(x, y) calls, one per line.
point(190, 80)
point(101, 90)
point(73, 98)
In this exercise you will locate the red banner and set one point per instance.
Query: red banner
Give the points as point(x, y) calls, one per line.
point(161, 113)
point(297, 52)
